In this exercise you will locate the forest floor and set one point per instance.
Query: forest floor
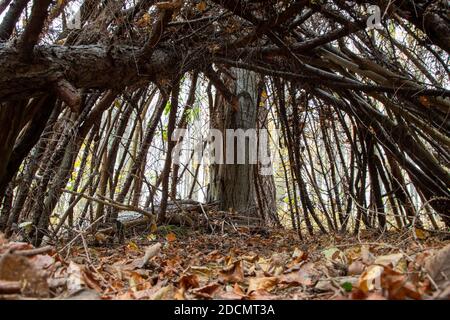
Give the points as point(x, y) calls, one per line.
point(173, 263)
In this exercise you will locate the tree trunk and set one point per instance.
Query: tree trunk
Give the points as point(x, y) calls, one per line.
point(233, 184)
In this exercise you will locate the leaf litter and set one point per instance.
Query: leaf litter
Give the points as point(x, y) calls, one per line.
point(238, 267)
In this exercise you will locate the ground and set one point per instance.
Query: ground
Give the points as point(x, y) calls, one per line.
point(176, 263)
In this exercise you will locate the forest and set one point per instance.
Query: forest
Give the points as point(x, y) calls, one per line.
point(225, 149)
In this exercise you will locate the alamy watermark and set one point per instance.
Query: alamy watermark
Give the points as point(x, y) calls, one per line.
point(233, 146)
point(73, 20)
point(374, 20)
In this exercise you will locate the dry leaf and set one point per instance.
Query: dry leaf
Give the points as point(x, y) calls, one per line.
point(398, 286)
point(164, 293)
point(233, 273)
point(265, 283)
point(144, 21)
point(356, 268)
point(371, 278)
point(42, 261)
point(188, 281)
point(353, 253)
point(262, 295)
point(334, 255)
point(18, 268)
point(201, 6)
point(206, 291)
point(171, 237)
point(200, 270)
point(75, 279)
point(83, 294)
point(420, 234)
point(438, 265)
point(367, 256)
point(307, 276)
point(375, 296)
point(391, 260)
point(151, 252)
point(132, 246)
point(238, 290)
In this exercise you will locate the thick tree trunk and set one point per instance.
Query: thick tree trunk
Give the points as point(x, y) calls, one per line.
point(93, 66)
point(233, 184)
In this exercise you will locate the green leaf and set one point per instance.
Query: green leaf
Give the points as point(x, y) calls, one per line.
point(167, 108)
point(193, 114)
point(347, 286)
point(27, 226)
point(196, 112)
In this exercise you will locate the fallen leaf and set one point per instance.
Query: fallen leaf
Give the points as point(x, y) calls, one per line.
point(233, 273)
point(375, 296)
point(391, 260)
point(398, 286)
point(90, 280)
point(353, 253)
point(171, 237)
point(238, 290)
point(306, 276)
point(201, 6)
point(151, 237)
point(333, 284)
point(263, 264)
point(356, 268)
point(297, 253)
point(371, 278)
point(83, 294)
point(250, 258)
point(133, 246)
point(129, 295)
point(229, 295)
point(265, 283)
point(17, 246)
point(42, 261)
point(367, 256)
point(334, 255)
point(136, 281)
point(201, 271)
point(75, 279)
point(420, 234)
point(188, 281)
point(164, 293)
point(18, 268)
point(438, 265)
point(206, 291)
point(151, 252)
point(144, 21)
point(262, 295)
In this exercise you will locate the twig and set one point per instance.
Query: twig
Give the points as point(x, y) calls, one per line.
point(112, 203)
point(33, 252)
point(79, 234)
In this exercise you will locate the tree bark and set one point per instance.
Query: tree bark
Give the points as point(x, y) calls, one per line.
point(233, 184)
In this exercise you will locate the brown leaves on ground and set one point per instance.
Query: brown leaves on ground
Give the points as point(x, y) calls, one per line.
point(232, 273)
point(438, 266)
point(243, 266)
